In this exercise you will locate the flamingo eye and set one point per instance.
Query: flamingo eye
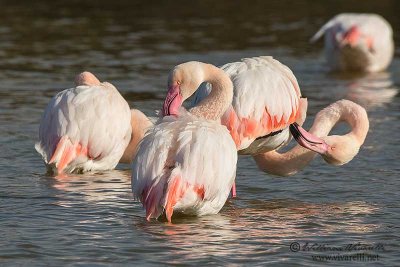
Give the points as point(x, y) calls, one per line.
point(179, 82)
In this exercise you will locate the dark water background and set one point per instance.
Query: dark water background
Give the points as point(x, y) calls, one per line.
point(92, 219)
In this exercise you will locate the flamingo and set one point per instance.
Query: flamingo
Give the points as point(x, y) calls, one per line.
point(266, 100)
point(357, 42)
point(85, 128)
point(335, 150)
point(187, 162)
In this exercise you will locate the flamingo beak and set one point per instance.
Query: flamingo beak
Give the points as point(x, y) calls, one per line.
point(308, 140)
point(173, 101)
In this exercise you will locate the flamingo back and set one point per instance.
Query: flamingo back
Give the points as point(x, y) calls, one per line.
point(184, 164)
point(84, 128)
point(266, 99)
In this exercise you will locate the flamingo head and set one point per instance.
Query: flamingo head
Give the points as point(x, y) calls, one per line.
point(183, 81)
point(335, 150)
point(86, 78)
point(354, 38)
point(341, 149)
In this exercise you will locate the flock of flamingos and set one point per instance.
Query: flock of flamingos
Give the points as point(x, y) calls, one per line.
point(184, 161)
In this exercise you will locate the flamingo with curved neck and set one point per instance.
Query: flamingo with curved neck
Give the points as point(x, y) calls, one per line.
point(187, 163)
point(186, 78)
point(335, 149)
point(184, 81)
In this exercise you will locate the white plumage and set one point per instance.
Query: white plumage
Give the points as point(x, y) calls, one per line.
point(187, 162)
point(84, 128)
point(184, 164)
point(357, 42)
point(266, 99)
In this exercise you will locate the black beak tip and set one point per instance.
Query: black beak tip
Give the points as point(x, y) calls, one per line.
point(294, 130)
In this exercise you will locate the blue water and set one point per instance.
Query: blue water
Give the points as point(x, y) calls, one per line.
point(91, 219)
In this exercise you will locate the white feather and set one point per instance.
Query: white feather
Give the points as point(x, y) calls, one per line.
point(96, 117)
point(200, 151)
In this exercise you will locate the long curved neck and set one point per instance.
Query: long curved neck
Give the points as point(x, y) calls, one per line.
point(289, 163)
point(284, 164)
point(343, 110)
point(217, 102)
point(139, 123)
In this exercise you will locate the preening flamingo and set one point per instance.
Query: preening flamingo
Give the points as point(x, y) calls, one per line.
point(357, 42)
point(266, 100)
point(336, 149)
point(85, 128)
point(187, 162)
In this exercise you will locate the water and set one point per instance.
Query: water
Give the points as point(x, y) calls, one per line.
point(92, 219)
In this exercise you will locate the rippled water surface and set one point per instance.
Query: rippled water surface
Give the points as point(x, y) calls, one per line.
point(92, 218)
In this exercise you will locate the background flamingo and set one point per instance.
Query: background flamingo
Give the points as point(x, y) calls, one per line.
point(336, 149)
point(85, 128)
point(357, 42)
point(187, 162)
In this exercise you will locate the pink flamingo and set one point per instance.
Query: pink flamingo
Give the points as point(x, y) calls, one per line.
point(87, 127)
point(187, 162)
point(357, 42)
point(266, 100)
point(335, 150)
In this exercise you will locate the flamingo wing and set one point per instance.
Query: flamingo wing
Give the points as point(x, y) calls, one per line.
point(184, 164)
point(266, 99)
point(85, 127)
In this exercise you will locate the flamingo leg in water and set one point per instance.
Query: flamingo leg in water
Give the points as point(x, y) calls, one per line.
point(233, 192)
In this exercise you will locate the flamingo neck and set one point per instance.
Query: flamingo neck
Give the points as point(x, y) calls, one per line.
point(346, 111)
point(86, 78)
point(285, 164)
point(139, 123)
point(217, 102)
point(294, 160)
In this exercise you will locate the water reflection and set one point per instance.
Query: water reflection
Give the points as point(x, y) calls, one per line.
point(372, 90)
point(101, 188)
point(264, 222)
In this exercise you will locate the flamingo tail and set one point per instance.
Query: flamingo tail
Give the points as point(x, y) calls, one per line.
point(151, 198)
point(162, 194)
point(175, 192)
point(65, 153)
point(166, 191)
